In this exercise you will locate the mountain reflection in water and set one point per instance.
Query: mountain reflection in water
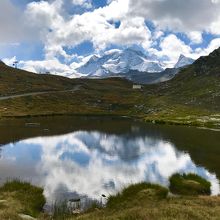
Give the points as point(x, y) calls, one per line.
point(95, 163)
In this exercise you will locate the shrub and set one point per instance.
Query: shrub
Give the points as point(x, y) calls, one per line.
point(132, 192)
point(189, 184)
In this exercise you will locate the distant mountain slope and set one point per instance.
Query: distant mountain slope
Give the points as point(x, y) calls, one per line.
point(208, 65)
point(14, 81)
point(197, 85)
point(183, 61)
point(131, 64)
point(117, 62)
point(150, 78)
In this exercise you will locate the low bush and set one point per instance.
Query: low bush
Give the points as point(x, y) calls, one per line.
point(189, 184)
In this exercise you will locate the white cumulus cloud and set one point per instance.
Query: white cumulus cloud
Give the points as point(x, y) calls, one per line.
point(60, 27)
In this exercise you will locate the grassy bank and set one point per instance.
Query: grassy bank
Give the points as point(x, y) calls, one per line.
point(150, 201)
point(137, 201)
point(19, 199)
point(145, 205)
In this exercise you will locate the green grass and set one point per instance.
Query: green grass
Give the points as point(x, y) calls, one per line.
point(130, 193)
point(116, 97)
point(138, 201)
point(148, 201)
point(21, 198)
point(189, 184)
point(61, 211)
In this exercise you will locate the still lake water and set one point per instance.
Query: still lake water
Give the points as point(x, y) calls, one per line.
point(88, 157)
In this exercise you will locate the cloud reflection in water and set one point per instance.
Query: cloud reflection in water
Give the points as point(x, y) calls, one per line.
point(93, 163)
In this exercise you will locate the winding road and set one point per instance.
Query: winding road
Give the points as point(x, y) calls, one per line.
point(38, 93)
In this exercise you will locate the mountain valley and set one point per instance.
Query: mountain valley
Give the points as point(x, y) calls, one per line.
point(191, 97)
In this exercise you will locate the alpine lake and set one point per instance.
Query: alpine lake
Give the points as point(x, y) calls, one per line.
point(88, 157)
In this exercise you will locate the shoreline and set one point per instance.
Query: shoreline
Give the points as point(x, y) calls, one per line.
point(152, 120)
point(130, 200)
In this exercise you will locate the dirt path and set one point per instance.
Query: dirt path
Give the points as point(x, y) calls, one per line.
point(38, 93)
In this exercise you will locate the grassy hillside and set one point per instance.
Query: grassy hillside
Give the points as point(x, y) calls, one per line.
point(15, 81)
point(191, 98)
point(198, 85)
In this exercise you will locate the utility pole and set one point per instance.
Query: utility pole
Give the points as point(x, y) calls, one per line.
point(15, 64)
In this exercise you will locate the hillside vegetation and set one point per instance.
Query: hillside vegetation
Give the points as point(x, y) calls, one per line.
point(16, 81)
point(192, 97)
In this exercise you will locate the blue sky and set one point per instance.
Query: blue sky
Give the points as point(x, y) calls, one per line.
point(66, 31)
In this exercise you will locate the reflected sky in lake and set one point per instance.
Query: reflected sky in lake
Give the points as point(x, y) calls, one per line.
point(95, 163)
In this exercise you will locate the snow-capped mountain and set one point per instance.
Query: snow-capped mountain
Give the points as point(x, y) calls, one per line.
point(115, 62)
point(184, 61)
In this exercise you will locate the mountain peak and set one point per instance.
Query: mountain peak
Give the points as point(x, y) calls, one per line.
point(93, 58)
point(210, 62)
point(181, 57)
point(135, 50)
point(215, 53)
point(116, 62)
point(183, 61)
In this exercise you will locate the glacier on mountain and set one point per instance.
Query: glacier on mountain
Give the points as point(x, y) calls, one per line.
point(115, 62)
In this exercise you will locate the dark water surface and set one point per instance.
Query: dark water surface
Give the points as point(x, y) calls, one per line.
point(85, 156)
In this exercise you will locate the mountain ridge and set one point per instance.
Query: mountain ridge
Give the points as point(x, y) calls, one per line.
point(191, 97)
point(124, 63)
point(183, 61)
point(114, 62)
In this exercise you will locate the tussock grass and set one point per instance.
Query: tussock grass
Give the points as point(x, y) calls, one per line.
point(148, 201)
point(137, 191)
point(189, 184)
point(61, 211)
point(20, 197)
point(141, 201)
